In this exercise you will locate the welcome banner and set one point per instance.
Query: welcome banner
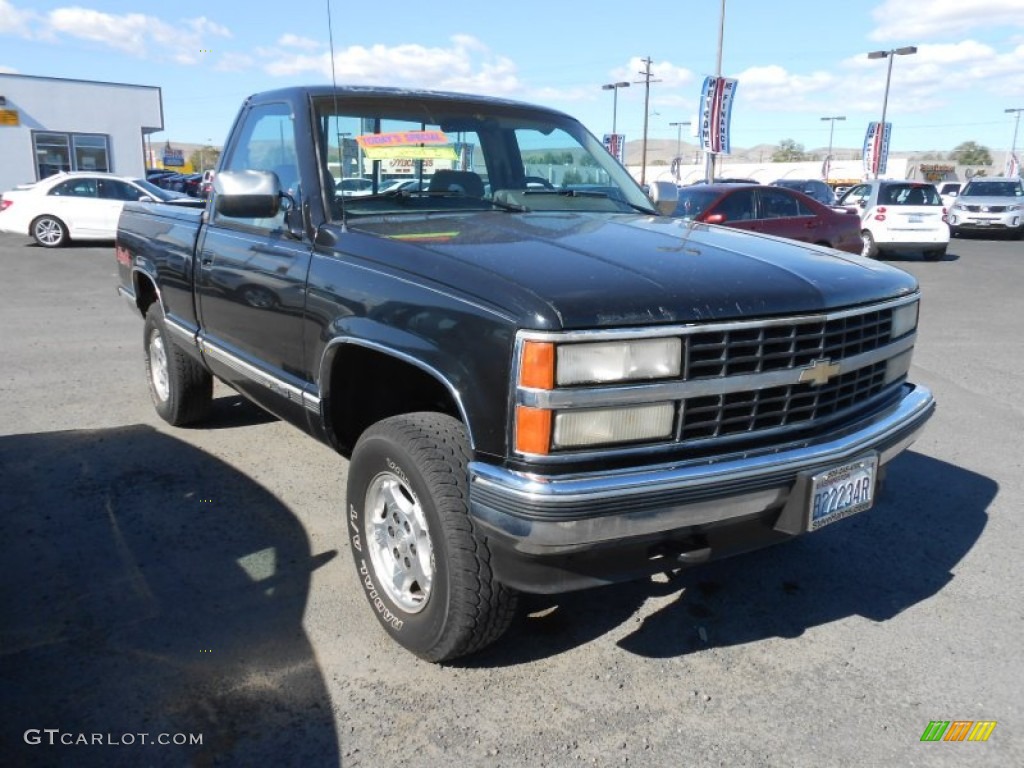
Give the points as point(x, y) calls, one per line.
point(876, 148)
point(715, 113)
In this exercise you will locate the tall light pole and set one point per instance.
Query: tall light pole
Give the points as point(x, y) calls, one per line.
point(678, 159)
point(614, 88)
point(890, 54)
point(679, 136)
point(831, 130)
point(709, 156)
point(1016, 125)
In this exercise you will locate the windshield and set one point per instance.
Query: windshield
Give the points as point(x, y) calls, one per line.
point(993, 189)
point(693, 201)
point(460, 155)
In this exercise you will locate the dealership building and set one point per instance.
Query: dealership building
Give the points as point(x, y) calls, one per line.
point(51, 124)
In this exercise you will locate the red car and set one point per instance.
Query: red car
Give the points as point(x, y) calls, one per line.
point(771, 211)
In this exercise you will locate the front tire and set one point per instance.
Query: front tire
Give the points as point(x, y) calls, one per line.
point(420, 561)
point(49, 232)
point(180, 387)
point(870, 249)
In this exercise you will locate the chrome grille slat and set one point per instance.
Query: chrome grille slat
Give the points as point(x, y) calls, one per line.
point(748, 412)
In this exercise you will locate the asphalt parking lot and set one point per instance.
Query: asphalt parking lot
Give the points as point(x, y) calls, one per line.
point(183, 582)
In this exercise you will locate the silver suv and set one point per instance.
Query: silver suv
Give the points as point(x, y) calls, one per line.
point(990, 204)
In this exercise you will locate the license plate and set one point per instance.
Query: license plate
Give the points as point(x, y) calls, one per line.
point(842, 491)
point(915, 219)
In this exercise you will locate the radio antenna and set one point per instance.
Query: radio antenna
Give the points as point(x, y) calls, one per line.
point(337, 125)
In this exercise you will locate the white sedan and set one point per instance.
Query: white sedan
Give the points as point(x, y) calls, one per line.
point(74, 206)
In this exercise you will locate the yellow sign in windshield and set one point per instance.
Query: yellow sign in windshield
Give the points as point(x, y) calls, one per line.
point(413, 145)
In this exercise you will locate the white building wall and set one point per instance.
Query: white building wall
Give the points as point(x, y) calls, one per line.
point(121, 112)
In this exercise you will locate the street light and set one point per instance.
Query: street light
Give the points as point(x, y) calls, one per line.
point(890, 54)
point(831, 129)
point(614, 88)
point(679, 136)
point(1016, 125)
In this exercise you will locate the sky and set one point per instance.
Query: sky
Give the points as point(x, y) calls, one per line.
point(796, 60)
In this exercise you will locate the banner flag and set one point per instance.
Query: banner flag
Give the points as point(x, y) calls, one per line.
point(1012, 166)
point(715, 113)
point(876, 148)
point(615, 143)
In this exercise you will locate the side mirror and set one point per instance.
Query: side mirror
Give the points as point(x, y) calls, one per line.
point(665, 196)
point(715, 218)
point(146, 199)
point(247, 194)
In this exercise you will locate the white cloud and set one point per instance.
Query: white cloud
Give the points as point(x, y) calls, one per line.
point(7, 70)
point(184, 41)
point(14, 21)
point(466, 65)
point(905, 21)
point(295, 41)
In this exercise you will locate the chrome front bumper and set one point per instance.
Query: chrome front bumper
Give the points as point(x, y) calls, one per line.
point(532, 516)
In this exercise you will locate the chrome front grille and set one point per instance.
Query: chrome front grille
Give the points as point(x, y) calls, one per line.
point(744, 382)
point(737, 413)
point(777, 347)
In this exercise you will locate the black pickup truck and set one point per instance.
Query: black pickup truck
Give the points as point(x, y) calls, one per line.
point(542, 381)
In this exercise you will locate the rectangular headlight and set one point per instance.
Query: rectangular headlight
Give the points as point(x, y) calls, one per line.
point(599, 362)
point(904, 320)
point(601, 426)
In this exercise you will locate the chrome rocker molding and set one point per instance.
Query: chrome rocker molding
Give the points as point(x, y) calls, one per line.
point(554, 515)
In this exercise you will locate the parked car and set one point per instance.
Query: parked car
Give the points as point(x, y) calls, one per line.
point(74, 206)
point(404, 185)
point(948, 191)
point(899, 217)
point(815, 188)
point(206, 185)
point(191, 184)
point(355, 185)
point(771, 211)
point(993, 204)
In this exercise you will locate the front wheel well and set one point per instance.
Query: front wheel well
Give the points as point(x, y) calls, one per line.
point(366, 386)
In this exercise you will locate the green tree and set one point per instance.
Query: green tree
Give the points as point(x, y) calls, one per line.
point(971, 153)
point(204, 158)
point(789, 152)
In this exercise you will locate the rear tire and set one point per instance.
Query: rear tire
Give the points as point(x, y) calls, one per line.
point(423, 566)
point(936, 254)
point(870, 249)
point(49, 232)
point(180, 387)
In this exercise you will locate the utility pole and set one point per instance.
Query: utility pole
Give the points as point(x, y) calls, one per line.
point(647, 99)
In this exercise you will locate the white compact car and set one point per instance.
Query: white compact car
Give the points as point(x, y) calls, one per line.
point(899, 217)
point(75, 206)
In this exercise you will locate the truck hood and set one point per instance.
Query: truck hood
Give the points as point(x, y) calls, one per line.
point(581, 270)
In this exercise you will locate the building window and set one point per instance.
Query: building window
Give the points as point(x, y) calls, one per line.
point(57, 152)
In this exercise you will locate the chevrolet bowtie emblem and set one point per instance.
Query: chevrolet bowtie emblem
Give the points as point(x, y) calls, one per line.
point(819, 372)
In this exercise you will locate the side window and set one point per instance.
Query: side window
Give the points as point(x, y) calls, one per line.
point(112, 189)
point(776, 204)
point(739, 206)
point(267, 143)
point(75, 188)
point(857, 195)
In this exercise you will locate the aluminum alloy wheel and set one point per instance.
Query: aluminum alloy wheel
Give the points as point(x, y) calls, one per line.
point(158, 374)
point(398, 539)
point(49, 232)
